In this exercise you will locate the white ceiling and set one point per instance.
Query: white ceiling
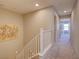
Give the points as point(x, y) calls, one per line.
point(25, 6)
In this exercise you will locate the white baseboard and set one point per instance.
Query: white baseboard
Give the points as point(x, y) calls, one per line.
point(76, 52)
point(44, 52)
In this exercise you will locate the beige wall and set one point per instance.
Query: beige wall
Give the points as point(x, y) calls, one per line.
point(34, 21)
point(75, 28)
point(7, 48)
point(32, 24)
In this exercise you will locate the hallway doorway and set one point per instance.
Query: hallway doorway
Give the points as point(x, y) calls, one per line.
point(64, 30)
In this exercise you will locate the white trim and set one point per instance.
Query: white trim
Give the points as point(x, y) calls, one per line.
point(41, 40)
point(44, 52)
point(76, 52)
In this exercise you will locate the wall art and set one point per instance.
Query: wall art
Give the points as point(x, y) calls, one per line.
point(8, 32)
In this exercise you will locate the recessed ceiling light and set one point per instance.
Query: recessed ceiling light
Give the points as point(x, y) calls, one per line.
point(65, 11)
point(36, 4)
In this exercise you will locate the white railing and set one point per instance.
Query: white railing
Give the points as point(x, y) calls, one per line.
point(38, 45)
point(30, 50)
